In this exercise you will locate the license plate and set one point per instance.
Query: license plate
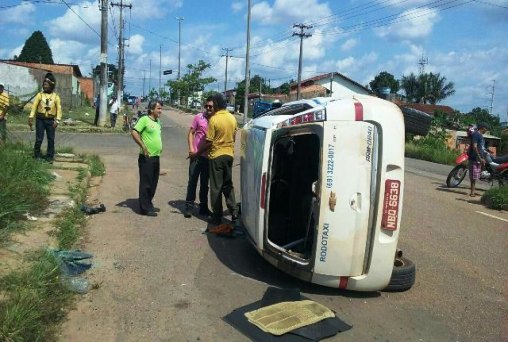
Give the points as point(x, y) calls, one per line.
point(391, 205)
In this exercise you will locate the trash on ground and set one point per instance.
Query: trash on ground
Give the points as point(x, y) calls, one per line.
point(322, 329)
point(90, 210)
point(76, 284)
point(72, 263)
point(226, 230)
point(284, 317)
point(30, 217)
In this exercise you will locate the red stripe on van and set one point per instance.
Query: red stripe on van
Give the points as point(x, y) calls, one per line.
point(262, 201)
point(358, 111)
point(343, 283)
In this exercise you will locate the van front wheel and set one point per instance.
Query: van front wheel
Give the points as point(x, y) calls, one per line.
point(403, 275)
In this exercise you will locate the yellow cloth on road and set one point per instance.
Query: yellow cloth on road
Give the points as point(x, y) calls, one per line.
point(284, 317)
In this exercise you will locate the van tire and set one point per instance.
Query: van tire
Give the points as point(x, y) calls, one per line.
point(403, 275)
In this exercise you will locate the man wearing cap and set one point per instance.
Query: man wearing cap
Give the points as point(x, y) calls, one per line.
point(47, 111)
point(4, 104)
point(476, 155)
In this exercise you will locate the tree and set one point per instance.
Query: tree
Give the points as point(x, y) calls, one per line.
point(36, 50)
point(426, 88)
point(382, 80)
point(191, 82)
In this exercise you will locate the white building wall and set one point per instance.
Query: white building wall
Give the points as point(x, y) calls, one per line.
point(341, 88)
point(18, 80)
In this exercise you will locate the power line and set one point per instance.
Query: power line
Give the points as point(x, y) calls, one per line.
point(83, 20)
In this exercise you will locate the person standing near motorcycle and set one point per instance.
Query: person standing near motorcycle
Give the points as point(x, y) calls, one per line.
point(476, 156)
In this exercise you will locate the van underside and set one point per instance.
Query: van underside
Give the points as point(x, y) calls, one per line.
point(293, 193)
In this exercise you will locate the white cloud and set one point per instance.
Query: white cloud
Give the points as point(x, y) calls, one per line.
point(74, 52)
point(70, 26)
point(289, 11)
point(349, 44)
point(19, 14)
point(135, 44)
point(237, 6)
point(411, 24)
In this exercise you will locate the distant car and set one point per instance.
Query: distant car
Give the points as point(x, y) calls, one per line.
point(230, 108)
point(131, 100)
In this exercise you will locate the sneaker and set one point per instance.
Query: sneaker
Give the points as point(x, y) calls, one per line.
point(149, 213)
point(187, 212)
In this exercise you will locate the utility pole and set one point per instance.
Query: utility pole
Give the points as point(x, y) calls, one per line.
point(144, 79)
point(121, 68)
point(302, 35)
point(160, 70)
point(247, 67)
point(150, 78)
point(422, 62)
point(179, 43)
point(331, 83)
point(492, 96)
point(226, 76)
point(103, 97)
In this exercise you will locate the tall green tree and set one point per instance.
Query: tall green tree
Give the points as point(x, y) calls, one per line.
point(36, 50)
point(193, 81)
point(382, 80)
point(426, 88)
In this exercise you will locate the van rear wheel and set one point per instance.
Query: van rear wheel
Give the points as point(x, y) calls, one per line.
point(403, 275)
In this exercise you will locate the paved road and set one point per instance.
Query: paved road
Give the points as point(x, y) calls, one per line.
point(161, 279)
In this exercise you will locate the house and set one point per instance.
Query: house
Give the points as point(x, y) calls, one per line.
point(25, 79)
point(459, 140)
point(332, 84)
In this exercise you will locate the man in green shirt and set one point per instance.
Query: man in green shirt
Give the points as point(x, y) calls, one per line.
point(147, 134)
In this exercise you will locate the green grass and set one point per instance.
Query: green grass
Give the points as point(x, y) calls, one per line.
point(24, 183)
point(33, 301)
point(434, 154)
point(496, 198)
point(96, 166)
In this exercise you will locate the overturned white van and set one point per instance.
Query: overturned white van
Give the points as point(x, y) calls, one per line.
point(322, 184)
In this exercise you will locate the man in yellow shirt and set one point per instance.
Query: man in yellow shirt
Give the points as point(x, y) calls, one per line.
point(220, 138)
point(4, 105)
point(47, 111)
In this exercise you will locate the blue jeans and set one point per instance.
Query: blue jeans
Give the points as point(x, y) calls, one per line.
point(44, 125)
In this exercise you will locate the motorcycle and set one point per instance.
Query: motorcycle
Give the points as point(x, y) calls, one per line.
point(496, 169)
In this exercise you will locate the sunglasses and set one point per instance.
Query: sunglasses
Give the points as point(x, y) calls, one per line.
point(208, 107)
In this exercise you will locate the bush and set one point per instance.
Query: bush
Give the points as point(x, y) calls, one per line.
point(496, 198)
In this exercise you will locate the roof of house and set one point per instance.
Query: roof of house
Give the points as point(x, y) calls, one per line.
point(69, 69)
point(327, 76)
point(310, 89)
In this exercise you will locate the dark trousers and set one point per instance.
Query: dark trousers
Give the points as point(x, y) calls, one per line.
point(44, 125)
point(96, 120)
point(198, 169)
point(149, 168)
point(112, 117)
point(3, 130)
point(221, 182)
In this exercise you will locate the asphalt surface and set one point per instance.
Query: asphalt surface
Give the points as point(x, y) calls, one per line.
point(162, 279)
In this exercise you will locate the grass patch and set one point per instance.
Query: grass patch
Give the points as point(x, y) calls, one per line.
point(69, 228)
point(496, 198)
point(95, 164)
point(33, 301)
point(24, 183)
point(440, 155)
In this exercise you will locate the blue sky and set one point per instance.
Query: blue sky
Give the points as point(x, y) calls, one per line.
point(465, 41)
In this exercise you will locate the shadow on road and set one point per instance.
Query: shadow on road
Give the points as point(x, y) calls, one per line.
point(240, 256)
point(131, 203)
point(179, 206)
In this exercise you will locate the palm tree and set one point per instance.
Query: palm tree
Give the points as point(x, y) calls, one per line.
point(426, 88)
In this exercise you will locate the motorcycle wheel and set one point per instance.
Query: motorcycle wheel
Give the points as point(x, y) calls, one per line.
point(456, 176)
point(503, 178)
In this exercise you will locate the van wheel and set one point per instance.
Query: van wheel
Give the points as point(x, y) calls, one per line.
point(403, 275)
